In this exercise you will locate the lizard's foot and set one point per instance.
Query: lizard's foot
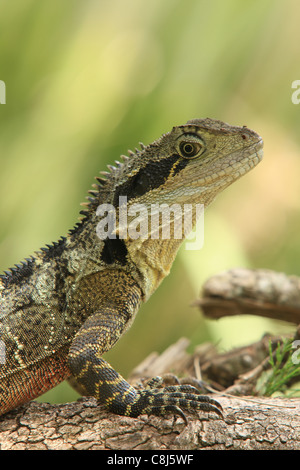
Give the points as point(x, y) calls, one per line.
point(171, 399)
point(171, 379)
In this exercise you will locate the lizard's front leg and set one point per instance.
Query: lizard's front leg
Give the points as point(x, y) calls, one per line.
point(97, 335)
point(99, 379)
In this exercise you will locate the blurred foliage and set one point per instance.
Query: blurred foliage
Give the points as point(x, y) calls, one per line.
point(284, 371)
point(86, 80)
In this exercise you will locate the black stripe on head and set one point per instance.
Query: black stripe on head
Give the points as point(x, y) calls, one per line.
point(151, 176)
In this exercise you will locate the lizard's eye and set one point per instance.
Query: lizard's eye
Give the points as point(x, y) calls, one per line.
point(190, 149)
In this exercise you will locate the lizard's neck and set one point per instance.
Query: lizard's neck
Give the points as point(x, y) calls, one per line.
point(154, 259)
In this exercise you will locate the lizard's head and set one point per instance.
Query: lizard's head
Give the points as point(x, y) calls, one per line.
point(190, 164)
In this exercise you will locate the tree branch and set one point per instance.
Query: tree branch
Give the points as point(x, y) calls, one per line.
point(263, 424)
point(259, 292)
point(249, 422)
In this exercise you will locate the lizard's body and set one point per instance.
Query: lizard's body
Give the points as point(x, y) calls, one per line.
point(68, 304)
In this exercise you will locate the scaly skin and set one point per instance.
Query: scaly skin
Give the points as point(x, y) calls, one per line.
point(68, 304)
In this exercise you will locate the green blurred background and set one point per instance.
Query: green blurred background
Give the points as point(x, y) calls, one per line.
point(86, 80)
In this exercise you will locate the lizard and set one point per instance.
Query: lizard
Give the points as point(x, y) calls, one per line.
point(69, 303)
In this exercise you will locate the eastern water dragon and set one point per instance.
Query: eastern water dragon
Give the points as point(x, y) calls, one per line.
point(64, 307)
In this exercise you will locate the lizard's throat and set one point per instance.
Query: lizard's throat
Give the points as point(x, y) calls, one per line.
point(154, 259)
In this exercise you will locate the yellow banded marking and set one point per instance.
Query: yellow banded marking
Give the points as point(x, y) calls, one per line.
point(173, 169)
point(128, 391)
point(20, 346)
point(83, 370)
point(112, 398)
point(87, 346)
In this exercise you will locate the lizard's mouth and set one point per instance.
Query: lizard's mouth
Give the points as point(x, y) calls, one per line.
point(239, 163)
point(235, 165)
point(244, 162)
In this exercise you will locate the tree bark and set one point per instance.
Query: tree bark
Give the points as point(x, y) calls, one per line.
point(249, 422)
point(261, 424)
point(261, 292)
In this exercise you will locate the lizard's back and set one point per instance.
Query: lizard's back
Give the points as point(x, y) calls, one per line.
point(33, 332)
